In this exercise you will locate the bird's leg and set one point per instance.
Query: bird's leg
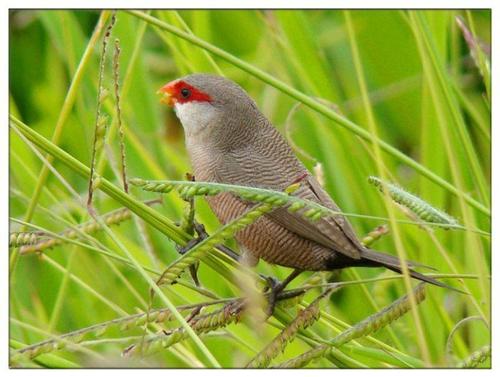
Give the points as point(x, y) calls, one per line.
point(229, 252)
point(189, 225)
point(201, 235)
point(276, 287)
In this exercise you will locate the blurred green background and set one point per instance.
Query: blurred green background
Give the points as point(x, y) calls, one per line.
point(411, 75)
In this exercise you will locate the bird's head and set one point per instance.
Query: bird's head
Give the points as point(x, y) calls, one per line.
point(208, 104)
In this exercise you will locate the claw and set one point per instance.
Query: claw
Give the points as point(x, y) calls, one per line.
point(184, 249)
point(275, 287)
point(271, 282)
point(202, 234)
point(271, 301)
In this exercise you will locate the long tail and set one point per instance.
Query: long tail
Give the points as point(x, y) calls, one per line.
point(376, 259)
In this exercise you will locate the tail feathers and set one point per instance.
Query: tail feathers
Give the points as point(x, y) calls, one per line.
point(393, 264)
point(388, 260)
point(427, 279)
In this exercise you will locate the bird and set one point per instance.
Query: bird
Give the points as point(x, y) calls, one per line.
point(229, 140)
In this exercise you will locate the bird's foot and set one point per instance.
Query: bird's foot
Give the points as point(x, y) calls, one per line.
point(273, 289)
point(201, 235)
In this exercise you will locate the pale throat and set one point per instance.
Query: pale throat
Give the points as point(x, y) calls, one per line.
point(195, 116)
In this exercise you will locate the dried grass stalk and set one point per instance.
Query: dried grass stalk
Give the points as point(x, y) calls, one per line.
point(100, 120)
point(111, 218)
point(365, 327)
point(304, 319)
point(116, 79)
point(230, 313)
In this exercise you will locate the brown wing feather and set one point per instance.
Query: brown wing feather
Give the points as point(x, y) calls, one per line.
point(341, 221)
point(333, 232)
point(273, 165)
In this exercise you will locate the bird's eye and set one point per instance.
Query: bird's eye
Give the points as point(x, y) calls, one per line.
point(185, 92)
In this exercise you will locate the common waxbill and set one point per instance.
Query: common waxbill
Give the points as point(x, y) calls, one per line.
point(230, 141)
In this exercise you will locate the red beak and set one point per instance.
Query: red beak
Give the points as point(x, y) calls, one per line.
point(167, 92)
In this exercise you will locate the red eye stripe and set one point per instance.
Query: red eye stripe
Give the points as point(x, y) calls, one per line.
point(175, 88)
